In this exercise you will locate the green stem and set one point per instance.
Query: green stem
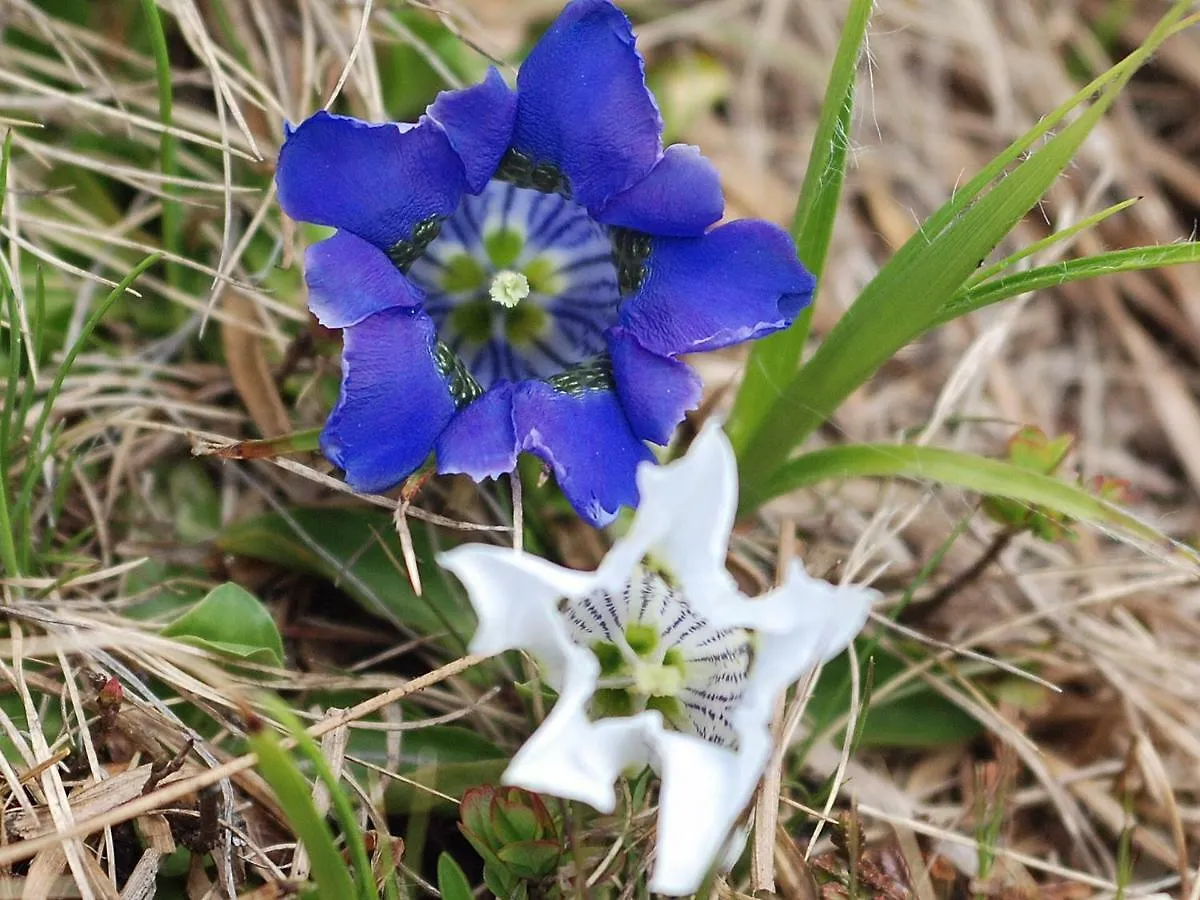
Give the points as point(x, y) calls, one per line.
point(172, 221)
point(8, 547)
point(37, 452)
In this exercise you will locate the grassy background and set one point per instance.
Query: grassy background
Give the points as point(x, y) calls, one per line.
point(139, 129)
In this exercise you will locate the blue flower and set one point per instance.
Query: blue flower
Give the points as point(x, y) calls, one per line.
point(520, 270)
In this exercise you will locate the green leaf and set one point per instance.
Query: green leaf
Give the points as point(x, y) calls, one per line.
point(423, 745)
point(504, 884)
point(474, 810)
point(449, 779)
point(773, 361)
point(1133, 259)
point(531, 859)
point(906, 298)
point(912, 716)
point(452, 883)
point(232, 621)
point(294, 793)
point(358, 551)
point(966, 470)
point(512, 822)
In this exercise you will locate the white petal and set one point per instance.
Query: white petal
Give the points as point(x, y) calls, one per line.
point(704, 790)
point(684, 519)
point(574, 758)
point(516, 597)
point(804, 622)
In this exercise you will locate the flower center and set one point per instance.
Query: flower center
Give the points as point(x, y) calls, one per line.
point(522, 284)
point(509, 288)
point(657, 679)
point(655, 652)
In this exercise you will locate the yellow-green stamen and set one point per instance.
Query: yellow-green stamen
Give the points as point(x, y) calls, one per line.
point(509, 288)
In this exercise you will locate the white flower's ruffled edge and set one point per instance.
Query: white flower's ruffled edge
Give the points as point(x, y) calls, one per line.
point(684, 521)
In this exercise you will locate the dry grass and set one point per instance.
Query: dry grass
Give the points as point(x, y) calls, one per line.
point(1114, 749)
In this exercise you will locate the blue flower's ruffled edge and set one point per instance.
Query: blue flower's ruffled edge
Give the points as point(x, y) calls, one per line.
point(583, 105)
point(378, 433)
point(481, 441)
point(349, 174)
point(655, 391)
point(478, 122)
point(737, 282)
point(349, 279)
point(680, 197)
point(584, 437)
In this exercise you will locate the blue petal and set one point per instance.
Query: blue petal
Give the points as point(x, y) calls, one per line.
point(376, 181)
point(582, 103)
point(479, 123)
point(655, 391)
point(738, 282)
point(394, 401)
point(349, 279)
point(680, 197)
point(481, 440)
point(586, 440)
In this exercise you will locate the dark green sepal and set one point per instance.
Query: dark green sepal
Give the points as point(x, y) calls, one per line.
point(631, 249)
point(591, 375)
point(404, 253)
point(463, 386)
point(519, 169)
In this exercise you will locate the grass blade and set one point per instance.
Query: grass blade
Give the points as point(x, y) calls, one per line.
point(295, 796)
point(905, 299)
point(351, 830)
point(773, 360)
point(1133, 259)
point(1050, 240)
point(172, 221)
point(39, 449)
point(8, 548)
point(965, 470)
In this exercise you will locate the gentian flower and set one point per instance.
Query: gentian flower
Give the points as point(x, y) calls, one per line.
point(658, 659)
point(521, 269)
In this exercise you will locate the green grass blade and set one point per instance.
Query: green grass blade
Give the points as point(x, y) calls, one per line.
point(966, 470)
point(85, 334)
point(351, 830)
point(905, 299)
point(5, 156)
point(9, 425)
point(1133, 259)
point(39, 450)
point(172, 212)
point(1049, 241)
point(965, 195)
point(294, 793)
point(8, 547)
point(37, 332)
point(773, 360)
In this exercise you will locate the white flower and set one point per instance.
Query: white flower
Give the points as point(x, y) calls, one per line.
point(658, 659)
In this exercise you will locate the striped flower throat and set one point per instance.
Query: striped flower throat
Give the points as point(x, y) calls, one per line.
point(656, 652)
point(522, 284)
